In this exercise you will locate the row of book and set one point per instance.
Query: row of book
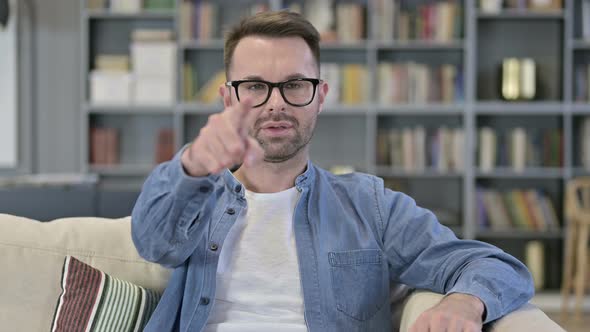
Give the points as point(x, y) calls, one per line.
point(419, 83)
point(349, 83)
point(493, 6)
point(416, 149)
point(131, 6)
point(528, 209)
point(519, 148)
point(105, 146)
point(584, 139)
point(336, 21)
point(439, 21)
point(201, 20)
point(207, 93)
point(145, 77)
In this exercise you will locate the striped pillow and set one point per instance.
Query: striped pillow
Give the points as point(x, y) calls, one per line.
point(94, 301)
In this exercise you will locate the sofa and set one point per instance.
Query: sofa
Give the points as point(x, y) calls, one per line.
point(32, 262)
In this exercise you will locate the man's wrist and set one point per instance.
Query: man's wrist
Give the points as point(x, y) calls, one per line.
point(473, 301)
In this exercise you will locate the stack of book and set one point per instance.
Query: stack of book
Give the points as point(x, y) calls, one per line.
point(349, 83)
point(440, 21)
point(520, 148)
point(515, 209)
point(104, 146)
point(419, 83)
point(153, 54)
point(416, 149)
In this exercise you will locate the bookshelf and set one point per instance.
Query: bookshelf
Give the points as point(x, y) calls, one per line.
point(348, 134)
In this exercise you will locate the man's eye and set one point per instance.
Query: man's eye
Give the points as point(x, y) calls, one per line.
point(292, 86)
point(257, 86)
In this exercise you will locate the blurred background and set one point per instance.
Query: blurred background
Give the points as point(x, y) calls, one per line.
point(480, 110)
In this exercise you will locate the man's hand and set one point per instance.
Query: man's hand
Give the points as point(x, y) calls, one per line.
point(224, 141)
point(455, 313)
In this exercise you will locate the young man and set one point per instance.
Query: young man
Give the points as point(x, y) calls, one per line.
point(282, 245)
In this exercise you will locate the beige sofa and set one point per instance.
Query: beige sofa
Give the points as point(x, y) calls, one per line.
point(32, 255)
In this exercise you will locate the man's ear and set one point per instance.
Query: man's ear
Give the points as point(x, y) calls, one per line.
point(323, 89)
point(225, 93)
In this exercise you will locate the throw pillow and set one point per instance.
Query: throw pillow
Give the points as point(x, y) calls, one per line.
point(94, 301)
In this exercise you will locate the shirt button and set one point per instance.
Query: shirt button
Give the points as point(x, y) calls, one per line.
point(238, 188)
point(213, 247)
point(204, 189)
point(204, 300)
point(230, 211)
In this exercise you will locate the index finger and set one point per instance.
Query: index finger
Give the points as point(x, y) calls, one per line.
point(243, 115)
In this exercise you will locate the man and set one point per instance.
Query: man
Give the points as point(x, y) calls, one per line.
point(282, 245)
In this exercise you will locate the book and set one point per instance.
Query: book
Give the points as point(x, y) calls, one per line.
point(487, 149)
point(535, 261)
point(164, 145)
point(584, 143)
point(112, 62)
point(158, 5)
point(125, 6)
point(209, 93)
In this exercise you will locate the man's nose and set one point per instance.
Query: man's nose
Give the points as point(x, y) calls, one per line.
point(276, 102)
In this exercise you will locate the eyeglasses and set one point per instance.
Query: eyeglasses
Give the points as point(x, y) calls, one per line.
point(296, 92)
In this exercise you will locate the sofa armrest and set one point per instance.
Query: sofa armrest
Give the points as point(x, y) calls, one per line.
point(527, 318)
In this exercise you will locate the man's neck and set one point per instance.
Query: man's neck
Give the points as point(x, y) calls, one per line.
point(267, 177)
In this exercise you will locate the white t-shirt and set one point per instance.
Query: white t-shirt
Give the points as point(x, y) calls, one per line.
point(258, 284)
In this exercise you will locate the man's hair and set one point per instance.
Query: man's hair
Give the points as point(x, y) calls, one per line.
point(274, 25)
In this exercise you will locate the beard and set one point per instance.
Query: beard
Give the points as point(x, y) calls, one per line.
point(280, 149)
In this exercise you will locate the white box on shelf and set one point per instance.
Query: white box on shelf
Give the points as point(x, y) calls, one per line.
point(154, 59)
point(110, 87)
point(126, 6)
point(154, 91)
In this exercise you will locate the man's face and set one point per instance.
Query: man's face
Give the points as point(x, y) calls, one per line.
point(281, 129)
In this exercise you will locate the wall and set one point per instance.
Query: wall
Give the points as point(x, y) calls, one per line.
point(8, 92)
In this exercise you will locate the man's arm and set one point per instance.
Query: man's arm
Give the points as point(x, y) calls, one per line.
point(164, 224)
point(424, 254)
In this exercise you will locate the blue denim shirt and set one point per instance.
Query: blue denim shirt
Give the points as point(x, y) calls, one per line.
point(354, 238)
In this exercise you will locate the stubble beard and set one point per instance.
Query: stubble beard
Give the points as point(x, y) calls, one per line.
point(281, 149)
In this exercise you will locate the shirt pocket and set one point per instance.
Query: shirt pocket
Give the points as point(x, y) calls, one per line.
point(359, 282)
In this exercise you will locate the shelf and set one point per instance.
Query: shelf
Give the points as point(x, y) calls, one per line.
point(122, 169)
point(580, 44)
point(519, 108)
point(528, 173)
point(129, 109)
point(580, 171)
point(340, 109)
point(144, 15)
point(387, 171)
point(420, 109)
point(351, 46)
point(516, 14)
point(519, 234)
point(203, 45)
point(422, 45)
point(581, 108)
point(198, 108)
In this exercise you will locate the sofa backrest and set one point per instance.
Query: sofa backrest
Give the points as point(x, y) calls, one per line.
point(32, 255)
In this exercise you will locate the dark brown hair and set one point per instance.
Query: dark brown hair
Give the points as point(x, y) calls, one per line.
point(275, 25)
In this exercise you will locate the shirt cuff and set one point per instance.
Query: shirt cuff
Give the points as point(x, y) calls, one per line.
point(491, 302)
point(186, 185)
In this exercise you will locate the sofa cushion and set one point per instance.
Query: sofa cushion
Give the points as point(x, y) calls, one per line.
point(91, 300)
point(32, 255)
